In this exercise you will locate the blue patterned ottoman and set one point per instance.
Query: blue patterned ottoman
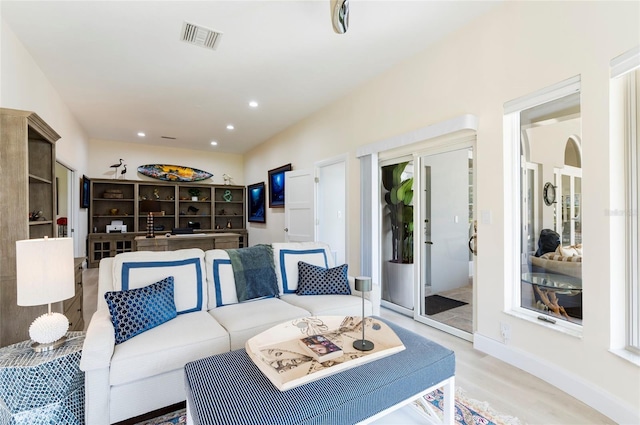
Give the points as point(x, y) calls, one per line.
point(229, 388)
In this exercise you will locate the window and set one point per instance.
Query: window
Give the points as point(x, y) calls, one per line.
point(545, 128)
point(625, 87)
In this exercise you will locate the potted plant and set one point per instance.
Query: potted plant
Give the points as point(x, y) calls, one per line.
point(398, 198)
point(194, 192)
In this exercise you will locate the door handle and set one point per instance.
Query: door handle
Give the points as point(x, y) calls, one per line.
point(472, 244)
point(286, 229)
point(428, 242)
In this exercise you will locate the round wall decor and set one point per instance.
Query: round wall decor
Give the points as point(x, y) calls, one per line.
point(549, 193)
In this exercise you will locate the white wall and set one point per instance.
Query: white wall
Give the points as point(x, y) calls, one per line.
point(104, 153)
point(24, 86)
point(511, 51)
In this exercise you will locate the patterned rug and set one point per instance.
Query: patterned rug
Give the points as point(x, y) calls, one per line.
point(468, 412)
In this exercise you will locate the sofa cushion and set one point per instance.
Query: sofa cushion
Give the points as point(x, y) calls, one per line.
point(315, 280)
point(287, 255)
point(569, 251)
point(221, 284)
point(141, 268)
point(253, 272)
point(559, 257)
point(168, 347)
point(330, 305)
point(248, 319)
point(137, 310)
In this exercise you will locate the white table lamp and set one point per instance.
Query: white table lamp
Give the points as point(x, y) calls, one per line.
point(45, 275)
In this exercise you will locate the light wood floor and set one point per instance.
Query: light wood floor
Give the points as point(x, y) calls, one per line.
point(507, 389)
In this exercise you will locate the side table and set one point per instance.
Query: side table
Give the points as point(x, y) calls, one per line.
point(42, 388)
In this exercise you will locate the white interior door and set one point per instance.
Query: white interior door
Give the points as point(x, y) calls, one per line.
point(331, 207)
point(299, 206)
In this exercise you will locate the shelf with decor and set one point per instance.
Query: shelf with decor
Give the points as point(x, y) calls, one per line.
point(194, 207)
point(229, 207)
point(112, 201)
point(27, 166)
point(165, 195)
point(176, 209)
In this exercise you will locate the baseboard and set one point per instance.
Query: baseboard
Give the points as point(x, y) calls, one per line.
point(604, 402)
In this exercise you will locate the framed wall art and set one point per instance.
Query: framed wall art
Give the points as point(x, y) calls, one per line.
point(84, 192)
point(276, 186)
point(256, 205)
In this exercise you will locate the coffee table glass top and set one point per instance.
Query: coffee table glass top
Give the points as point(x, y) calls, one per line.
point(553, 281)
point(279, 355)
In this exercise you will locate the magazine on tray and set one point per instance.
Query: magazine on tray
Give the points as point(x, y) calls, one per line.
point(321, 348)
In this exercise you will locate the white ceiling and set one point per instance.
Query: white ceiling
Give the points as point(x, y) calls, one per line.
point(121, 68)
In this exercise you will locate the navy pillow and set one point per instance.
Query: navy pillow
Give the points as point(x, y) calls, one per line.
point(315, 280)
point(137, 310)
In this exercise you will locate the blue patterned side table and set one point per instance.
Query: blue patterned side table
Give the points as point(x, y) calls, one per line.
point(42, 388)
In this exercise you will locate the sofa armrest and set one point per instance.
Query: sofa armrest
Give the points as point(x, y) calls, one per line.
point(373, 296)
point(99, 342)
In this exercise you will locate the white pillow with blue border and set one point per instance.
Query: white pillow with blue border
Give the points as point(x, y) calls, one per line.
point(286, 256)
point(141, 268)
point(221, 283)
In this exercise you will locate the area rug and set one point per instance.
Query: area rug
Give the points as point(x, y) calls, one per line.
point(177, 417)
point(434, 304)
point(468, 412)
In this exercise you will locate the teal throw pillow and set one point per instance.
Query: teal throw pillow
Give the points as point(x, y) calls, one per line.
point(137, 310)
point(315, 280)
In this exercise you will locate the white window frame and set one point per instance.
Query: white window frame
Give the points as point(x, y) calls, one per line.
point(623, 68)
point(513, 214)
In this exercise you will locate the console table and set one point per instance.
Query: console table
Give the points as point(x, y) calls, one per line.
point(204, 241)
point(229, 388)
point(42, 388)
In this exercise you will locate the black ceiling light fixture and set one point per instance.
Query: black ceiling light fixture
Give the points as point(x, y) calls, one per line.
point(340, 15)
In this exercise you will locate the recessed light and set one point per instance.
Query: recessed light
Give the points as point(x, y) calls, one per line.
point(141, 134)
point(214, 143)
point(230, 127)
point(253, 104)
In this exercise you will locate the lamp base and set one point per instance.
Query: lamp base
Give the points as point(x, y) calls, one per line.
point(40, 347)
point(363, 345)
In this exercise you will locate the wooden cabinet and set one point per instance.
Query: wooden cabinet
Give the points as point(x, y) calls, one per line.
point(104, 245)
point(205, 208)
point(27, 169)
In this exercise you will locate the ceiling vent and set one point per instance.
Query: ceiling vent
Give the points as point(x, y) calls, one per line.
point(200, 36)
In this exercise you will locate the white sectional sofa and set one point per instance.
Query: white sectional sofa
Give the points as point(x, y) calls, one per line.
point(146, 372)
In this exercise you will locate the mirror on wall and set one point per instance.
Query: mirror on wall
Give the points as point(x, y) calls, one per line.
point(551, 207)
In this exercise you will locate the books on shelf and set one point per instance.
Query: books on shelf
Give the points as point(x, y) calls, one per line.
point(321, 348)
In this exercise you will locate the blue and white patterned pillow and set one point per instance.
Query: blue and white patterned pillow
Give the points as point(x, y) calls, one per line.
point(315, 280)
point(137, 310)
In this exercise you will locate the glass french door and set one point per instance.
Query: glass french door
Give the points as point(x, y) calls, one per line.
point(448, 240)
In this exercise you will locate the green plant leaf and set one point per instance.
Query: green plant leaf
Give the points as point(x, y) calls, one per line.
point(394, 196)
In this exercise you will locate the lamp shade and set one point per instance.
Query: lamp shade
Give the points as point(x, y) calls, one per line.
point(45, 272)
point(149, 205)
point(363, 283)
